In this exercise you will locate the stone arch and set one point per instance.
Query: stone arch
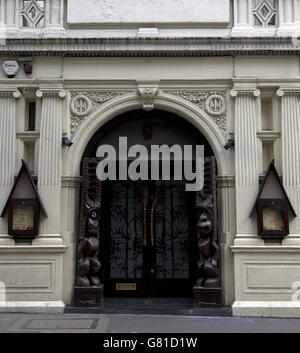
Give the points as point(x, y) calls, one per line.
point(196, 117)
point(163, 101)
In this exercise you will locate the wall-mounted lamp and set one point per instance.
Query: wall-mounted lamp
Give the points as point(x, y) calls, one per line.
point(27, 64)
point(229, 144)
point(24, 207)
point(273, 207)
point(67, 142)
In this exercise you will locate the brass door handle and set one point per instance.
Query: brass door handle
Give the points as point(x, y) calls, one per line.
point(154, 204)
point(145, 197)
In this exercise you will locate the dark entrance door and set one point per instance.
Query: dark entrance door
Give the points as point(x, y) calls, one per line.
point(149, 232)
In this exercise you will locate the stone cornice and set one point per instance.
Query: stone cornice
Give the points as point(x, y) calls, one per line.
point(192, 46)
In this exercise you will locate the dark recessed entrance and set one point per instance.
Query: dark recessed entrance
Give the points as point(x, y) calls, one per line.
point(147, 238)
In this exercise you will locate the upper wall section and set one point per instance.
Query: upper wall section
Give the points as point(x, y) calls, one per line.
point(149, 27)
point(154, 18)
point(145, 12)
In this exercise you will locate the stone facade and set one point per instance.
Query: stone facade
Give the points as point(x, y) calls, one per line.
point(88, 69)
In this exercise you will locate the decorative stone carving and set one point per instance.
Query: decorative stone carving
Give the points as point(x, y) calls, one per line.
point(33, 13)
point(148, 95)
point(88, 265)
point(264, 13)
point(208, 251)
point(215, 105)
point(213, 102)
point(83, 103)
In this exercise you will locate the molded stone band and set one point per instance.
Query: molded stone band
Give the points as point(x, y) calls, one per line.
point(51, 93)
point(245, 92)
point(10, 94)
point(288, 92)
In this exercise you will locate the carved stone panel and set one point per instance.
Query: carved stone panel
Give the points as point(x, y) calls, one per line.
point(83, 103)
point(212, 102)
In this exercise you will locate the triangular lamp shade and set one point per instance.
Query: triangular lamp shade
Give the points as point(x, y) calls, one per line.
point(24, 206)
point(273, 207)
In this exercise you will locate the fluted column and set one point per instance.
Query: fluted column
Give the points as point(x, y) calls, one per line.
point(246, 159)
point(49, 163)
point(290, 117)
point(7, 152)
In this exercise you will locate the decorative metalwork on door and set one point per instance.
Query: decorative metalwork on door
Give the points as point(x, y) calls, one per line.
point(147, 238)
point(172, 232)
point(148, 232)
point(126, 223)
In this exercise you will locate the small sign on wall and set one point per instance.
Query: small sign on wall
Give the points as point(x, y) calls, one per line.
point(126, 286)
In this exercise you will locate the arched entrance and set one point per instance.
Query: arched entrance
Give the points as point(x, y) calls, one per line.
point(147, 238)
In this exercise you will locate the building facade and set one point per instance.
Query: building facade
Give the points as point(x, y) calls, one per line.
point(218, 72)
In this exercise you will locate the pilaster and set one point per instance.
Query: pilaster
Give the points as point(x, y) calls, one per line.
point(243, 23)
point(49, 163)
point(287, 17)
point(246, 160)
point(7, 152)
point(290, 117)
point(55, 18)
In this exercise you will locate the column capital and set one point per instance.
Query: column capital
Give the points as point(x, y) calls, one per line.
point(9, 93)
point(245, 92)
point(288, 91)
point(51, 92)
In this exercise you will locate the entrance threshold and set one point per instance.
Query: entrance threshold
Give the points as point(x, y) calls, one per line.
point(152, 306)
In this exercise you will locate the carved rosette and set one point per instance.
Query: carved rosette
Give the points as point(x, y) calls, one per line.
point(83, 103)
point(212, 102)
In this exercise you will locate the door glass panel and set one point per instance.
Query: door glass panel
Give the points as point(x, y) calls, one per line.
point(126, 259)
point(172, 232)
